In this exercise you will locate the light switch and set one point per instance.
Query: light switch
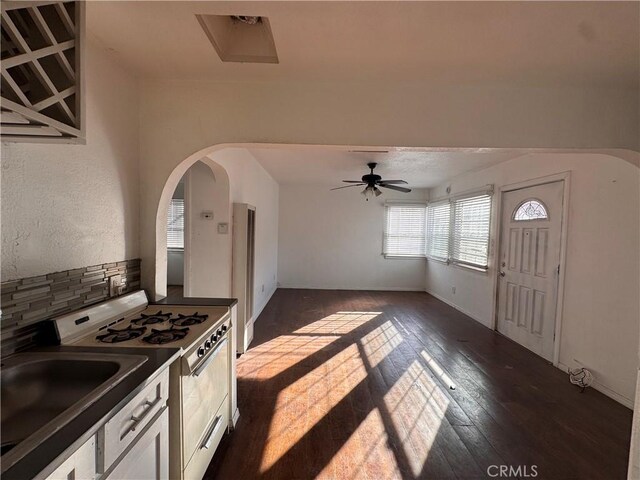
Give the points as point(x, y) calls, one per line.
point(223, 228)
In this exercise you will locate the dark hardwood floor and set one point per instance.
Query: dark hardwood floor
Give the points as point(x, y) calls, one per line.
point(351, 384)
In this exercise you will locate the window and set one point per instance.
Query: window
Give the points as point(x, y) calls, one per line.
point(175, 224)
point(458, 230)
point(404, 234)
point(438, 224)
point(530, 210)
point(470, 242)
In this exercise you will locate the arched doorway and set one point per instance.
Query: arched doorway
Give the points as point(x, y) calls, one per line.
point(205, 256)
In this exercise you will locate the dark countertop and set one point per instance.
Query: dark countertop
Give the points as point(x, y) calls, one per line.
point(178, 299)
point(91, 418)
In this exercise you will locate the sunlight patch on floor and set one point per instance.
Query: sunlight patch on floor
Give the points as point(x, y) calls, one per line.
point(416, 407)
point(365, 455)
point(438, 370)
point(380, 342)
point(338, 323)
point(306, 402)
point(274, 357)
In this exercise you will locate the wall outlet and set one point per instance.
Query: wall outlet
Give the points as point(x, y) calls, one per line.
point(115, 285)
point(263, 288)
point(453, 289)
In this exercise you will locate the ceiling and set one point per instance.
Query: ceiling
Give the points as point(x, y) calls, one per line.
point(539, 43)
point(329, 166)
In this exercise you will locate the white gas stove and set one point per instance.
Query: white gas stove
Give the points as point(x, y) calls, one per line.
point(202, 384)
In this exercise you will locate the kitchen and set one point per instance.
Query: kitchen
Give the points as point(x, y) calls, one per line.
point(89, 174)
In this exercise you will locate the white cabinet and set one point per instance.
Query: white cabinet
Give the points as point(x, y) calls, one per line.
point(148, 457)
point(81, 465)
point(132, 444)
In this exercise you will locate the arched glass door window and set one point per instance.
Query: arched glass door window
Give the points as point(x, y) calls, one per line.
point(531, 209)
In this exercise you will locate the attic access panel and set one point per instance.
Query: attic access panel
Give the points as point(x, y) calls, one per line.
point(240, 38)
point(41, 89)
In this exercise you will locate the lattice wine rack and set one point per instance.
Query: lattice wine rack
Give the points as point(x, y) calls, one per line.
point(42, 65)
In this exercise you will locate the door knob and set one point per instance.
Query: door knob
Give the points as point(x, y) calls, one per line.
point(502, 274)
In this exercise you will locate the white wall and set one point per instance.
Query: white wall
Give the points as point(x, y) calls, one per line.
point(601, 314)
point(333, 239)
point(68, 206)
point(250, 183)
point(207, 252)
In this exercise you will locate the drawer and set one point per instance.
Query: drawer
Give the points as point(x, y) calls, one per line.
point(125, 425)
point(197, 465)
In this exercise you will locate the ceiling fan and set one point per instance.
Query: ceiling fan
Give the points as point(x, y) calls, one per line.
point(372, 182)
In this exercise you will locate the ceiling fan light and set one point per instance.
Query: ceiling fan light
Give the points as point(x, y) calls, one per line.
point(377, 191)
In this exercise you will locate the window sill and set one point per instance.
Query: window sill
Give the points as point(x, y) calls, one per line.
point(173, 249)
point(438, 260)
point(404, 257)
point(471, 268)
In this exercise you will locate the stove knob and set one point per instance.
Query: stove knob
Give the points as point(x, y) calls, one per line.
point(224, 328)
point(208, 344)
point(200, 352)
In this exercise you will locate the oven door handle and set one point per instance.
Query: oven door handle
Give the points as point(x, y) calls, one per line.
point(209, 359)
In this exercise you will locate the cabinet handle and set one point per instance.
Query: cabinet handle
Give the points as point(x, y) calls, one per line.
point(214, 428)
point(138, 419)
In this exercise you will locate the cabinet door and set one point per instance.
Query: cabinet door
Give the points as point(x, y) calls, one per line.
point(148, 457)
point(80, 466)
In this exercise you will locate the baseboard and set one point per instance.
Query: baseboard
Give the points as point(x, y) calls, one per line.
point(363, 289)
point(460, 309)
point(627, 402)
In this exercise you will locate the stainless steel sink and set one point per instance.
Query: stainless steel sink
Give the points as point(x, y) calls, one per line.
point(43, 391)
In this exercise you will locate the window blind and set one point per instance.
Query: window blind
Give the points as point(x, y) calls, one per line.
point(175, 224)
point(470, 243)
point(404, 234)
point(438, 224)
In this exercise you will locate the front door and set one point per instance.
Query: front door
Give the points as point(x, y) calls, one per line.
point(529, 260)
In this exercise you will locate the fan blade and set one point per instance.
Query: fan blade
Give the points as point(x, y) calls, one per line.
point(393, 187)
point(347, 186)
point(352, 181)
point(390, 182)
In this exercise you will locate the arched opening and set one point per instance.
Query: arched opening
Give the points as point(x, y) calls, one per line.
point(201, 262)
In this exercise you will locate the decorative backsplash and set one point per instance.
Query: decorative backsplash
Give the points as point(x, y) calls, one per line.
point(28, 301)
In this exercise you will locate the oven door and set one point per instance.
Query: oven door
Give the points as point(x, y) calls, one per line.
point(204, 388)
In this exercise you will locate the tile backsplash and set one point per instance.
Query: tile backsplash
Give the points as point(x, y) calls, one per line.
point(28, 301)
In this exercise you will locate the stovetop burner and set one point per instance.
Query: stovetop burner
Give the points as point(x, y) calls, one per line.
point(186, 320)
point(159, 337)
point(151, 319)
point(116, 336)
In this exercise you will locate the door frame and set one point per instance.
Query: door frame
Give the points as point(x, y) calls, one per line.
point(564, 177)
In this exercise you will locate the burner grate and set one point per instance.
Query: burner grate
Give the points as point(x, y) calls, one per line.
point(186, 320)
point(159, 337)
point(116, 336)
point(151, 319)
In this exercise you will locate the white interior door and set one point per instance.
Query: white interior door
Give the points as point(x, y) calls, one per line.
point(529, 260)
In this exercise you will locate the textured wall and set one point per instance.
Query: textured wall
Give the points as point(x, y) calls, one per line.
point(69, 206)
